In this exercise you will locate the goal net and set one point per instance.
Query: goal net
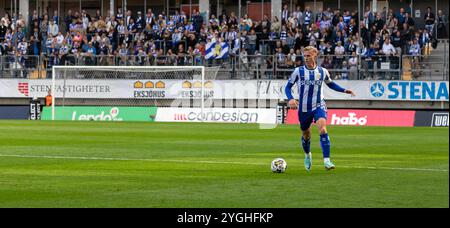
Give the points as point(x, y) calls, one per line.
point(122, 93)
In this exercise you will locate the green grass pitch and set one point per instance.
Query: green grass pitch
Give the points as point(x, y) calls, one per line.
point(93, 164)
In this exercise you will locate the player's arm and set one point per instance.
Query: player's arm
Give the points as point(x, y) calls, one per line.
point(288, 90)
point(334, 86)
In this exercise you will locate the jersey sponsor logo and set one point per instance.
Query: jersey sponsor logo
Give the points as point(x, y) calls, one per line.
point(311, 83)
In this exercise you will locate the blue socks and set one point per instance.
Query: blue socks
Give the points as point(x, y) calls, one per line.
point(306, 145)
point(325, 144)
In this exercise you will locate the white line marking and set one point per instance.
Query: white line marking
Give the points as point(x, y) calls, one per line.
point(204, 162)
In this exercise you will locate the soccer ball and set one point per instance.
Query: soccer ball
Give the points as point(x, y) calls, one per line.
point(279, 165)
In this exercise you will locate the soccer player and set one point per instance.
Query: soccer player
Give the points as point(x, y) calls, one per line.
point(311, 105)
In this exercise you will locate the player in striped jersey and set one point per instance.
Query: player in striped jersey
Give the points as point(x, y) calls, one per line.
point(311, 104)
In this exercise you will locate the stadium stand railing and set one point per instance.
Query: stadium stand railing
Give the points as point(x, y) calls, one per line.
point(268, 67)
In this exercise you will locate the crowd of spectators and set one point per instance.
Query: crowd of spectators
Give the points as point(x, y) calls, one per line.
point(179, 39)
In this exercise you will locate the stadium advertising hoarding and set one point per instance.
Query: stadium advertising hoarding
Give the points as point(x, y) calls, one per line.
point(14, 112)
point(220, 89)
point(348, 117)
point(340, 117)
point(217, 115)
point(70, 113)
point(409, 90)
point(152, 114)
point(368, 90)
point(431, 119)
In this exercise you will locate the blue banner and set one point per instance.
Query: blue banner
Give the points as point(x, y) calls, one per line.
point(217, 50)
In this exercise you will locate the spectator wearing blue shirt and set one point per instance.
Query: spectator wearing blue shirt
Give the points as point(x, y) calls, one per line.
point(367, 55)
point(89, 52)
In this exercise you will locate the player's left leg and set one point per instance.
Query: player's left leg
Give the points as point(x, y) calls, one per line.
point(325, 143)
point(321, 122)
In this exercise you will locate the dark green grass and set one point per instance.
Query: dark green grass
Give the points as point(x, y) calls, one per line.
point(63, 164)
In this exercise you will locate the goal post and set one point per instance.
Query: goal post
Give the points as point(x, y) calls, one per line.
point(127, 87)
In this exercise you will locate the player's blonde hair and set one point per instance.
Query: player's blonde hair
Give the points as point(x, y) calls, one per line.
point(311, 49)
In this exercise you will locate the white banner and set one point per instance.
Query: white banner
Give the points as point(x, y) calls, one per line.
point(219, 89)
point(217, 115)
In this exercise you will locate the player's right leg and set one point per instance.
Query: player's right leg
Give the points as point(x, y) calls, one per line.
point(306, 120)
point(306, 143)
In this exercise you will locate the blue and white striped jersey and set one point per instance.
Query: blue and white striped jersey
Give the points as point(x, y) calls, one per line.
point(310, 87)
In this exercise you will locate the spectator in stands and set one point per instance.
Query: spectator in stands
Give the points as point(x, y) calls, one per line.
point(284, 14)
point(397, 41)
point(414, 48)
point(368, 54)
point(53, 28)
point(339, 52)
point(415, 52)
point(389, 51)
point(145, 34)
point(384, 14)
point(328, 51)
point(429, 20)
point(34, 44)
point(392, 23)
point(89, 53)
point(276, 25)
point(313, 36)
point(243, 56)
point(409, 20)
point(406, 35)
point(55, 17)
point(251, 39)
point(401, 17)
point(442, 22)
point(379, 22)
point(343, 74)
point(353, 66)
point(3, 29)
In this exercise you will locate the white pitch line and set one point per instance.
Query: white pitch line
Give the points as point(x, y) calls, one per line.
point(204, 162)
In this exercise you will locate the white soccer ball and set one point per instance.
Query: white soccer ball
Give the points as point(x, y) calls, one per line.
point(279, 165)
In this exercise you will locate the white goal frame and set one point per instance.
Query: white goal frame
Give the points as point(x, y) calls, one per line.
point(55, 68)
